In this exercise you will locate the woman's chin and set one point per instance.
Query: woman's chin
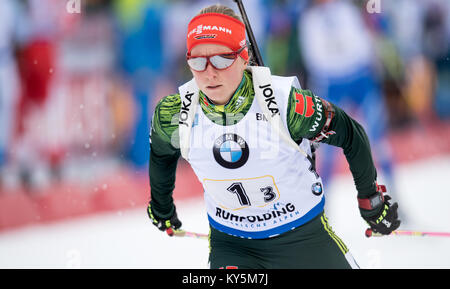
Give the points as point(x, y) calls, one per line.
point(216, 95)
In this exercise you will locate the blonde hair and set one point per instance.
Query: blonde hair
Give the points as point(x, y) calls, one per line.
point(222, 9)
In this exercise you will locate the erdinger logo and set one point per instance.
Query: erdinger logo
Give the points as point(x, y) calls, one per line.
point(231, 151)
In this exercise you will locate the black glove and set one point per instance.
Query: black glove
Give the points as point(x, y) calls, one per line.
point(385, 220)
point(163, 224)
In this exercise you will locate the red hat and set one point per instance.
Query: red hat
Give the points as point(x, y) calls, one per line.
point(217, 28)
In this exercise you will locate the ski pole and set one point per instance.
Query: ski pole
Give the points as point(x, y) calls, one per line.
point(183, 233)
point(369, 233)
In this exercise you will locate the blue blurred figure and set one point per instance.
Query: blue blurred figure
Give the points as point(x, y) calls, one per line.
point(338, 54)
point(139, 24)
point(12, 33)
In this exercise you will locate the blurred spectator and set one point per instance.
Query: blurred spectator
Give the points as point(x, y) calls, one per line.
point(436, 39)
point(91, 108)
point(67, 108)
point(421, 32)
point(278, 39)
point(389, 66)
point(406, 23)
point(12, 32)
point(338, 53)
point(36, 63)
point(282, 45)
point(139, 24)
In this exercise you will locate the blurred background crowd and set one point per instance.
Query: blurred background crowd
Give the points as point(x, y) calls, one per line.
point(77, 90)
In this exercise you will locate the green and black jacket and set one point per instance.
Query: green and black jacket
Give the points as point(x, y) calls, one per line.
point(302, 123)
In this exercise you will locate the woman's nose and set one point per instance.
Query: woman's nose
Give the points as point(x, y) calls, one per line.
point(210, 71)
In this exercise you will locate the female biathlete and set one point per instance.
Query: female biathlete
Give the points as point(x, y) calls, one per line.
point(247, 135)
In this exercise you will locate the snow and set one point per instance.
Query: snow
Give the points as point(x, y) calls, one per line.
point(127, 239)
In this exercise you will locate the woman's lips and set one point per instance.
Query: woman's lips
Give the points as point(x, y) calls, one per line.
point(213, 86)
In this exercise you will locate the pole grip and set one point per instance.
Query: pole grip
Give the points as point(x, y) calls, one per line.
point(170, 232)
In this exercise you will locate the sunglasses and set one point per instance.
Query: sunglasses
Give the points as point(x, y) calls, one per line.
point(219, 61)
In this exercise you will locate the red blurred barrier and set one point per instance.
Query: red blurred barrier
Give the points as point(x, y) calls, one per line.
point(63, 201)
point(121, 191)
point(421, 142)
point(17, 209)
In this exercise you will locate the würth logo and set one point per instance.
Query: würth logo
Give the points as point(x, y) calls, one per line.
point(304, 105)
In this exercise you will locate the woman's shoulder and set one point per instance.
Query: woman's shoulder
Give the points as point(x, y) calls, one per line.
point(168, 106)
point(170, 102)
point(165, 118)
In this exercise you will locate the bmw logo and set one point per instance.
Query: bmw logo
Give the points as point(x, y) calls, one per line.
point(230, 151)
point(316, 189)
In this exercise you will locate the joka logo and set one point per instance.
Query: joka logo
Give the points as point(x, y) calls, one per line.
point(231, 151)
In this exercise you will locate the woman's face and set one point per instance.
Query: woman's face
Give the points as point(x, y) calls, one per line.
point(218, 85)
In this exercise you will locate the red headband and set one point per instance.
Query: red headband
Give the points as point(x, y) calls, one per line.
point(218, 29)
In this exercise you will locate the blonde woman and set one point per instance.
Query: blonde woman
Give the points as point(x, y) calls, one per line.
point(247, 135)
